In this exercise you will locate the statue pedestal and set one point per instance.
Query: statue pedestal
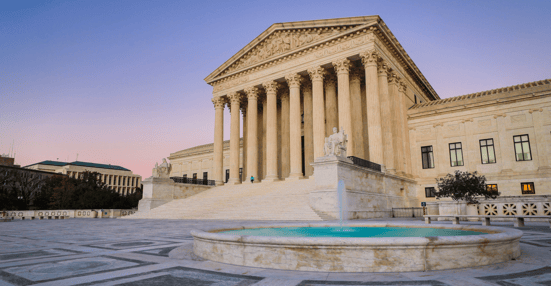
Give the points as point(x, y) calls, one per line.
point(156, 192)
point(367, 194)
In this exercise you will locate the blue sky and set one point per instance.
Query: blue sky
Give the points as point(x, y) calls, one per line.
point(121, 82)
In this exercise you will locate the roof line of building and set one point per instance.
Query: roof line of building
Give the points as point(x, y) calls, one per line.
point(483, 93)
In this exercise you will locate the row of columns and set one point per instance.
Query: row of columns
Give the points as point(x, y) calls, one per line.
point(384, 94)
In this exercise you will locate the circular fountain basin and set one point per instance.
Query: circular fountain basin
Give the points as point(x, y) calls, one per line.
point(361, 247)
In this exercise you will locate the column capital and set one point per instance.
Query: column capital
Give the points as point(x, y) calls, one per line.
point(402, 87)
point(235, 97)
point(393, 78)
point(382, 68)
point(284, 94)
point(219, 102)
point(342, 65)
point(293, 80)
point(270, 86)
point(306, 86)
point(370, 57)
point(355, 74)
point(252, 92)
point(330, 80)
point(317, 73)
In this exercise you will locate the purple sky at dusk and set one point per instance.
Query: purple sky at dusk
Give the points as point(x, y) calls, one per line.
point(121, 82)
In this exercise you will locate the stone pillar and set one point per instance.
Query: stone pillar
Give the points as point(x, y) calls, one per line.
point(388, 152)
point(252, 133)
point(357, 115)
point(375, 136)
point(245, 141)
point(331, 112)
point(308, 128)
point(235, 99)
point(260, 135)
point(293, 80)
point(405, 127)
point(285, 148)
point(264, 136)
point(218, 163)
point(318, 110)
point(395, 117)
point(342, 67)
point(541, 145)
point(271, 131)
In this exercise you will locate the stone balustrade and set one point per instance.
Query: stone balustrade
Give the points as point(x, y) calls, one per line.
point(63, 214)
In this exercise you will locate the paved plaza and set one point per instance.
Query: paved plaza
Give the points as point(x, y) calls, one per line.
point(136, 252)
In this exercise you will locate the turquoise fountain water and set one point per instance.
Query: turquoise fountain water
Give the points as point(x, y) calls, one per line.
point(352, 232)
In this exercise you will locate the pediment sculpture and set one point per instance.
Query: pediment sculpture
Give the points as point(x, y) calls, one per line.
point(163, 170)
point(335, 144)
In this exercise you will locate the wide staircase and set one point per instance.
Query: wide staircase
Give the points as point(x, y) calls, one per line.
point(286, 200)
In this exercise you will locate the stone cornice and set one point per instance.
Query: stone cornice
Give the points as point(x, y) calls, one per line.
point(505, 95)
point(200, 150)
point(387, 38)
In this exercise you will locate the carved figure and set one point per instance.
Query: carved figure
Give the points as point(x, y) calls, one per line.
point(163, 170)
point(336, 143)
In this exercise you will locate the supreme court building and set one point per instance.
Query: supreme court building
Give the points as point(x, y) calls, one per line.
point(296, 81)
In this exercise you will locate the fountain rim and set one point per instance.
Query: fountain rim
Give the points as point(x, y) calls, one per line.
point(493, 234)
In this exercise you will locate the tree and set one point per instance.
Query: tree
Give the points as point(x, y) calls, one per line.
point(464, 186)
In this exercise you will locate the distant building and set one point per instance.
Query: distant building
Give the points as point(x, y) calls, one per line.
point(5, 160)
point(115, 177)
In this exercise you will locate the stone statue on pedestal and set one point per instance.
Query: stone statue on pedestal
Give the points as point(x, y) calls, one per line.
point(163, 170)
point(336, 143)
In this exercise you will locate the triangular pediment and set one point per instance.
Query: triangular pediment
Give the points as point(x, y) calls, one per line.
point(282, 39)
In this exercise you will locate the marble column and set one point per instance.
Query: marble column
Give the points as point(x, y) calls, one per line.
point(396, 119)
point(388, 146)
point(245, 141)
point(264, 137)
point(407, 143)
point(219, 104)
point(308, 128)
point(271, 131)
point(260, 133)
point(293, 80)
point(285, 147)
point(252, 133)
point(318, 109)
point(356, 111)
point(375, 136)
point(331, 111)
point(235, 99)
point(342, 68)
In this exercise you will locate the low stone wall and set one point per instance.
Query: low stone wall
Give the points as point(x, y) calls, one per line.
point(159, 191)
point(63, 214)
point(368, 193)
point(501, 206)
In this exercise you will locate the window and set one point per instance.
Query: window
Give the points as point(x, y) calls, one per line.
point(241, 173)
point(527, 188)
point(205, 176)
point(487, 151)
point(522, 147)
point(428, 160)
point(430, 192)
point(195, 176)
point(456, 154)
point(227, 175)
point(184, 175)
point(491, 188)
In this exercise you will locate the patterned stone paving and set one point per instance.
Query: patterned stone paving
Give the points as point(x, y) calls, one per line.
point(136, 252)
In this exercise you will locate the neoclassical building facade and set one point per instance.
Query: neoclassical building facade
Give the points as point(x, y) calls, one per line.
point(296, 81)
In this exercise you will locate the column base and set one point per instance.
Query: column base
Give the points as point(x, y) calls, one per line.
point(295, 177)
point(271, 179)
point(219, 183)
point(233, 181)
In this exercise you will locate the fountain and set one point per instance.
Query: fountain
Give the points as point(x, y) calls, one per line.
point(356, 247)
